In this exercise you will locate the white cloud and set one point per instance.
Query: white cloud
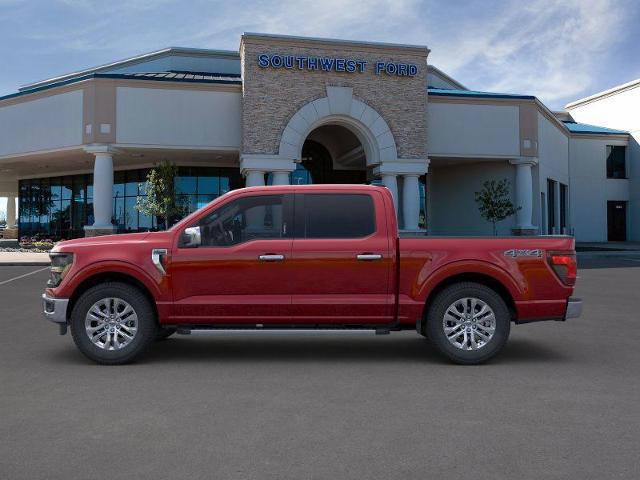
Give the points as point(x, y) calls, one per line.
point(547, 48)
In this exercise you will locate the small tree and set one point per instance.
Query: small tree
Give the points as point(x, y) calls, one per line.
point(161, 199)
point(494, 202)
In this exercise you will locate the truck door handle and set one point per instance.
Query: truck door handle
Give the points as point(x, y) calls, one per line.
point(270, 257)
point(369, 256)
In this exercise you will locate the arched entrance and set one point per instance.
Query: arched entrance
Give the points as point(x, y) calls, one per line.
point(331, 154)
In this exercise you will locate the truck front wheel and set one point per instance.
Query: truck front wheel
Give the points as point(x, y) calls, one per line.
point(113, 323)
point(468, 322)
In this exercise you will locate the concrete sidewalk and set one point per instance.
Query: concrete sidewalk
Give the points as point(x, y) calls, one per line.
point(23, 258)
point(608, 246)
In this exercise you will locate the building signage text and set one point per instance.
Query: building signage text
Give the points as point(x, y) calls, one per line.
point(334, 64)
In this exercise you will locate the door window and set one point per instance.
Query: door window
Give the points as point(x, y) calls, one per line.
point(245, 219)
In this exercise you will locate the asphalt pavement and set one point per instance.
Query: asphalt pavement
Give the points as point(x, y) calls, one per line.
point(562, 400)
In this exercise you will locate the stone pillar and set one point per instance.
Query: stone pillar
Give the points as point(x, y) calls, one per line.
point(390, 180)
point(254, 178)
point(280, 177)
point(410, 170)
point(524, 196)
point(102, 191)
point(411, 202)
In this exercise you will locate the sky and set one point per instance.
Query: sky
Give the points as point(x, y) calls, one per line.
point(557, 50)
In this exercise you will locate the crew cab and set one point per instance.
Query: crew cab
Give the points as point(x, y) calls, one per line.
point(319, 258)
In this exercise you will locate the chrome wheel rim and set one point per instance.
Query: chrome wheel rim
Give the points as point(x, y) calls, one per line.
point(111, 324)
point(469, 323)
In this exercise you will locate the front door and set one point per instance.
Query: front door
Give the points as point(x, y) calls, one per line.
point(238, 273)
point(342, 260)
point(617, 221)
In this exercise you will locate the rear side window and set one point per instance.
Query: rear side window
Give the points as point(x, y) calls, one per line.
point(335, 216)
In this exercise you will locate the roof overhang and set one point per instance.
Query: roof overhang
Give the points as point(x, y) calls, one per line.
point(145, 57)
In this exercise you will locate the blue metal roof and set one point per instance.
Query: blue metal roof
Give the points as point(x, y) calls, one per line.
point(575, 127)
point(188, 77)
point(444, 92)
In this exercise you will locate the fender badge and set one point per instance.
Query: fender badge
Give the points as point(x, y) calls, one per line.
point(516, 252)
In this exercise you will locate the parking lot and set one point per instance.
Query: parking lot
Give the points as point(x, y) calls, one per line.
point(562, 401)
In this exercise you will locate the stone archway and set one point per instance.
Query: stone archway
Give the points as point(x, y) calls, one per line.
point(339, 107)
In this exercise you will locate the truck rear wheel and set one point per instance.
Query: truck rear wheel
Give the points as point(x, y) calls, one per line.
point(468, 322)
point(113, 323)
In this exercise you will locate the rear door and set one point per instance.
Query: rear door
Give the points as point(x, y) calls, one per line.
point(341, 265)
point(617, 221)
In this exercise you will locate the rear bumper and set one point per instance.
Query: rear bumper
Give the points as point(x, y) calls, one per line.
point(574, 308)
point(54, 309)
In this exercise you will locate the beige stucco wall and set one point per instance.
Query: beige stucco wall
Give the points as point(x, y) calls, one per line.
point(272, 96)
point(451, 196)
point(473, 129)
point(178, 117)
point(50, 122)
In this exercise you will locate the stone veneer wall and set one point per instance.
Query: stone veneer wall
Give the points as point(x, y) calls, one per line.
point(272, 96)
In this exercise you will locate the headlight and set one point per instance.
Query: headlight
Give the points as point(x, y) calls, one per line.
point(60, 266)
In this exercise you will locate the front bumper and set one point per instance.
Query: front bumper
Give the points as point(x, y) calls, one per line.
point(55, 309)
point(574, 308)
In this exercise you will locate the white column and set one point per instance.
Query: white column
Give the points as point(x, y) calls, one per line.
point(102, 190)
point(254, 178)
point(524, 193)
point(281, 178)
point(390, 181)
point(410, 202)
point(11, 212)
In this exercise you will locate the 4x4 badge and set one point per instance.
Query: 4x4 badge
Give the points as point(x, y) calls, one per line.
point(516, 252)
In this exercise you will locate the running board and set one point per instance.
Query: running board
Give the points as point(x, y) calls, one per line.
point(282, 331)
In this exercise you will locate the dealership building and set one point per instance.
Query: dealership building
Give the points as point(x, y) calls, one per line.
point(75, 149)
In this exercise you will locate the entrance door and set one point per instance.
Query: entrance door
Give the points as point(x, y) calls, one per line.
point(342, 260)
point(239, 271)
point(617, 221)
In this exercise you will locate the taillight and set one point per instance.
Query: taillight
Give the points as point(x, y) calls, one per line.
point(565, 266)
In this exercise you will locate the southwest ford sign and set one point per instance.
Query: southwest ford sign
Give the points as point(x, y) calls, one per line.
point(334, 64)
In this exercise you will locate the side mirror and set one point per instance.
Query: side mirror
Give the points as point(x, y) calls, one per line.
point(191, 237)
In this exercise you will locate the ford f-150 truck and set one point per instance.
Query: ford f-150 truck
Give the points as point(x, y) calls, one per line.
point(320, 258)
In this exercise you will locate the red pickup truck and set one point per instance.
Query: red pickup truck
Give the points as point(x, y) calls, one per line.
point(321, 258)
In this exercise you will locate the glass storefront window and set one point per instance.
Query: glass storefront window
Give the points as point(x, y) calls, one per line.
point(186, 185)
point(60, 207)
point(209, 185)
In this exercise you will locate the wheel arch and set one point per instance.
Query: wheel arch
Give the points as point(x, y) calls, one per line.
point(110, 276)
point(481, 278)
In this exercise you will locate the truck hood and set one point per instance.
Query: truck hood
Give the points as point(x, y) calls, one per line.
point(117, 240)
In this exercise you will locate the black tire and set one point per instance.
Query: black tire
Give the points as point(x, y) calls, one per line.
point(146, 323)
point(435, 328)
point(165, 332)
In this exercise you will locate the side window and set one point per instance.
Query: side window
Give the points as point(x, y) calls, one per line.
point(616, 167)
point(338, 216)
point(248, 218)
